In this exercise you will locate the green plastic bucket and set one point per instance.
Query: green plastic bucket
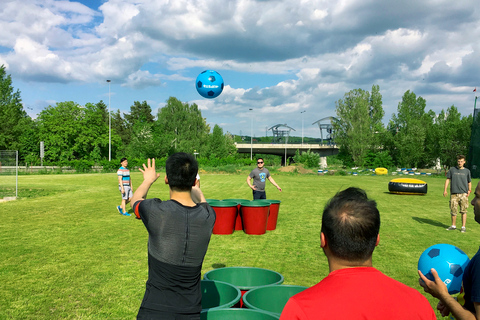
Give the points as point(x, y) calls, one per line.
point(226, 213)
point(273, 214)
point(236, 314)
point(245, 278)
point(255, 216)
point(219, 295)
point(238, 222)
point(271, 299)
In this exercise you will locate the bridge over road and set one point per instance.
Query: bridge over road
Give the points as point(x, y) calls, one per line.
point(287, 150)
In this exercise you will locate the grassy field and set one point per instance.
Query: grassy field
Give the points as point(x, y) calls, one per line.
point(66, 253)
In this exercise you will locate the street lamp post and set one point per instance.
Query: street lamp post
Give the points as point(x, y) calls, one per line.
point(109, 126)
point(251, 136)
point(302, 124)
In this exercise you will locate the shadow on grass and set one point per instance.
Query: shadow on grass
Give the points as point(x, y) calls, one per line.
point(403, 195)
point(430, 222)
point(218, 265)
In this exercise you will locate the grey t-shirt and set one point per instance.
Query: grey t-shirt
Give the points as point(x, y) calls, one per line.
point(259, 178)
point(459, 179)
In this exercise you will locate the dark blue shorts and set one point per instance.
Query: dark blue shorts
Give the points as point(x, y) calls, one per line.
point(259, 195)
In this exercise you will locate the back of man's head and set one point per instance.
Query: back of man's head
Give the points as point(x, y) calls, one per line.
point(181, 169)
point(351, 223)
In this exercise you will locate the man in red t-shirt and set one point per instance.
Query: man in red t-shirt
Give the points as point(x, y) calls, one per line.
point(354, 289)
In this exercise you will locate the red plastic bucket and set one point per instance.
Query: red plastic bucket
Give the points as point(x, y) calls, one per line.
point(255, 216)
point(226, 212)
point(238, 222)
point(273, 214)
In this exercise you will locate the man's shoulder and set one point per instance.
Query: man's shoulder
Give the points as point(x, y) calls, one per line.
point(150, 202)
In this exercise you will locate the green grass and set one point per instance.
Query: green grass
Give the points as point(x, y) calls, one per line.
point(65, 252)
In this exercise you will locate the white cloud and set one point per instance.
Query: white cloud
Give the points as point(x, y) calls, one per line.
point(315, 50)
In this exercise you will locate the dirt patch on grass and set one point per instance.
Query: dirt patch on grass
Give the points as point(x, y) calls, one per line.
point(300, 169)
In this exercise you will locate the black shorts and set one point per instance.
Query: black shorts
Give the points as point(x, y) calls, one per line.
point(150, 314)
point(259, 195)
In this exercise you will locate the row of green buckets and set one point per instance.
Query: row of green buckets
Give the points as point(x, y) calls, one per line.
point(253, 217)
point(244, 293)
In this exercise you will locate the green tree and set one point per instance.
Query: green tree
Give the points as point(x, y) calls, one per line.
point(139, 113)
point(73, 132)
point(58, 127)
point(92, 141)
point(182, 127)
point(137, 131)
point(30, 143)
point(121, 128)
point(14, 121)
point(359, 122)
point(220, 145)
point(454, 133)
point(408, 131)
point(143, 142)
point(431, 144)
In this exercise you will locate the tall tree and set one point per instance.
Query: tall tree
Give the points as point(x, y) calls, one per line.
point(182, 126)
point(74, 132)
point(13, 118)
point(59, 127)
point(122, 129)
point(139, 113)
point(409, 131)
point(454, 133)
point(220, 145)
point(136, 130)
point(359, 122)
point(92, 141)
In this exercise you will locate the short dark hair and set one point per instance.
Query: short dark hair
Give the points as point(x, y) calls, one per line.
point(260, 159)
point(123, 159)
point(181, 169)
point(351, 223)
point(460, 156)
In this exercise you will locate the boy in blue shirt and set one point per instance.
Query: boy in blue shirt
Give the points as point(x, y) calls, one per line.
point(125, 186)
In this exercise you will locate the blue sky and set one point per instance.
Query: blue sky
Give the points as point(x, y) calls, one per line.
point(278, 57)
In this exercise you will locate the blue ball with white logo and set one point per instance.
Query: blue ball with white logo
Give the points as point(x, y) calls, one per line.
point(209, 84)
point(449, 262)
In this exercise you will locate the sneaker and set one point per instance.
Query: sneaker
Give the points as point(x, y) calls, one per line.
point(119, 209)
point(452, 228)
point(126, 214)
point(462, 230)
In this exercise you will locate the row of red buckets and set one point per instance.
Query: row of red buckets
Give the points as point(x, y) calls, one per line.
point(252, 216)
point(245, 293)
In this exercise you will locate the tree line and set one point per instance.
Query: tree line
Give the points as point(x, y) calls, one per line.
point(74, 132)
point(413, 137)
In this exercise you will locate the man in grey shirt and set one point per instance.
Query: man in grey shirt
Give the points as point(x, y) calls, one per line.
point(460, 189)
point(259, 176)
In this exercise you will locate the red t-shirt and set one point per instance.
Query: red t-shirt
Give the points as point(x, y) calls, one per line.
point(358, 293)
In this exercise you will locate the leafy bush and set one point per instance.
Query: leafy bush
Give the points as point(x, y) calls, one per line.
point(334, 161)
point(308, 158)
point(110, 166)
point(81, 165)
point(219, 162)
point(379, 159)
